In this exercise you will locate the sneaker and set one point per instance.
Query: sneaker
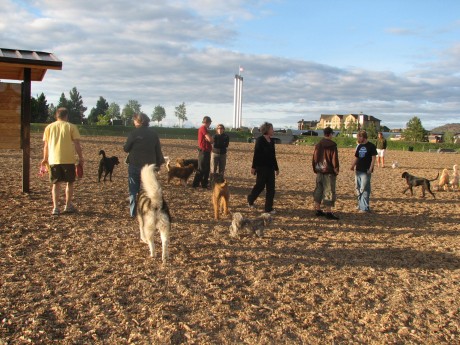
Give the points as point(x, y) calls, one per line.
point(55, 212)
point(69, 209)
point(330, 215)
point(272, 212)
point(320, 213)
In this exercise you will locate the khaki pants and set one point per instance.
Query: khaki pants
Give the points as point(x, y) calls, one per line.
point(325, 189)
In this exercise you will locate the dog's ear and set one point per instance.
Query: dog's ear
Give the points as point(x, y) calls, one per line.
point(238, 218)
point(267, 219)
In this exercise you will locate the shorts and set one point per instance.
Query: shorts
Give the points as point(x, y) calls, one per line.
point(380, 152)
point(62, 173)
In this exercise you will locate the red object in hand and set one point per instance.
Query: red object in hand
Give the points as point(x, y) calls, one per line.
point(43, 170)
point(79, 170)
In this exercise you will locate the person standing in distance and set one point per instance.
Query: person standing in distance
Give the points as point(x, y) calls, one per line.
point(143, 147)
point(364, 166)
point(219, 150)
point(205, 142)
point(381, 148)
point(325, 163)
point(265, 167)
point(61, 140)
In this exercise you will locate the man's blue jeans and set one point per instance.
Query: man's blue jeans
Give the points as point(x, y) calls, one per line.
point(134, 185)
point(363, 189)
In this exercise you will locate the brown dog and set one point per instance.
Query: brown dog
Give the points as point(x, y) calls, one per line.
point(220, 195)
point(182, 173)
point(181, 162)
point(414, 181)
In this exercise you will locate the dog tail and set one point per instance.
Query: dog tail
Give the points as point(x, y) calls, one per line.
point(435, 177)
point(168, 163)
point(102, 152)
point(151, 186)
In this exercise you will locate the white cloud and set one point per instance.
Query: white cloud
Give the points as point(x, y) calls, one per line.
point(169, 52)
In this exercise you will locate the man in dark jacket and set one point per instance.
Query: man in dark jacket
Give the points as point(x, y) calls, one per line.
point(325, 165)
point(265, 167)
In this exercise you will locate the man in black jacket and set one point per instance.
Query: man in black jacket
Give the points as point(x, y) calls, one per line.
point(265, 167)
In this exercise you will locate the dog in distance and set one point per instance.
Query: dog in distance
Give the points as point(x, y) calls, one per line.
point(153, 212)
point(181, 173)
point(220, 195)
point(245, 226)
point(414, 181)
point(444, 180)
point(181, 162)
point(106, 165)
point(454, 182)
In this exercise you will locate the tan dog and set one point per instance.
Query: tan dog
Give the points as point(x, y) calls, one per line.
point(220, 195)
point(181, 162)
point(454, 182)
point(182, 173)
point(444, 180)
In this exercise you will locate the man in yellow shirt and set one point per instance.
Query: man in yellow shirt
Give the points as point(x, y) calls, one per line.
point(61, 141)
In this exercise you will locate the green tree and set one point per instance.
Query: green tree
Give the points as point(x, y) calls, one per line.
point(414, 130)
point(101, 108)
point(51, 113)
point(181, 113)
point(158, 114)
point(448, 137)
point(342, 130)
point(63, 103)
point(39, 109)
point(75, 107)
point(103, 120)
point(114, 111)
point(371, 130)
point(352, 127)
point(131, 108)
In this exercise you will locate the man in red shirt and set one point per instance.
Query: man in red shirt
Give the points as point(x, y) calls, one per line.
point(204, 157)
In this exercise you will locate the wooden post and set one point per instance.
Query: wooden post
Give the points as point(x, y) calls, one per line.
point(25, 130)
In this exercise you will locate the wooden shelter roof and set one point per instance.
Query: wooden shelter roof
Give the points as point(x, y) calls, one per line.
point(13, 62)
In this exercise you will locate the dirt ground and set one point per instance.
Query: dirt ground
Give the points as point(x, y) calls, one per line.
point(392, 276)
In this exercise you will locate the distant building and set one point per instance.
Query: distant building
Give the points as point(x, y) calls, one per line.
point(457, 138)
point(302, 124)
point(435, 138)
point(335, 121)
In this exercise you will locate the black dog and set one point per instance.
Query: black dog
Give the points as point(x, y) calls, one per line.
point(414, 181)
point(106, 165)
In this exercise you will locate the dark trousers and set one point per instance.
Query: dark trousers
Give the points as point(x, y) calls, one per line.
point(202, 173)
point(265, 179)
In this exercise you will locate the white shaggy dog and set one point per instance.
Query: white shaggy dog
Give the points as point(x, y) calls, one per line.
point(241, 225)
point(153, 212)
point(395, 165)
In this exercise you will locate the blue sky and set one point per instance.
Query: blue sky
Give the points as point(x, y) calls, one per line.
point(390, 59)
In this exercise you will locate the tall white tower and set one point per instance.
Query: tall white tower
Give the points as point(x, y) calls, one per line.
point(238, 100)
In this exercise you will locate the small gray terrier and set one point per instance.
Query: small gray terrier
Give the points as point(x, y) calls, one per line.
point(244, 226)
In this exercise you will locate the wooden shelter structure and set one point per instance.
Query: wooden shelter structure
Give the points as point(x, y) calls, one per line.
point(15, 99)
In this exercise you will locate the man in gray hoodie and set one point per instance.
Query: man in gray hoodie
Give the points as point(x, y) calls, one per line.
point(325, 164)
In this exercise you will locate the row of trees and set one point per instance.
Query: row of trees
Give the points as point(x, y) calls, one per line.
point(102, 114)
